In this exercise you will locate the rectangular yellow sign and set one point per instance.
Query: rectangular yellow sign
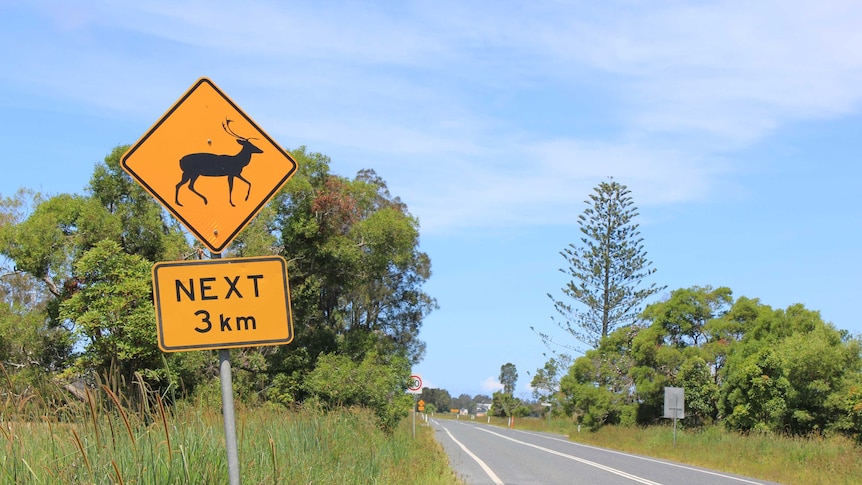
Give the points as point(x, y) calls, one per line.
point(222, 303)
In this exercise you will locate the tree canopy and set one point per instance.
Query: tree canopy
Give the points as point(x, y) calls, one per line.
point(740, 363)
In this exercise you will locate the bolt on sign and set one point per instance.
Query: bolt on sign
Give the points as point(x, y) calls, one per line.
point(209, 164)
point(222, 303)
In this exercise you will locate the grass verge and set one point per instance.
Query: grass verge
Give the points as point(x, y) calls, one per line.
point(100, 441)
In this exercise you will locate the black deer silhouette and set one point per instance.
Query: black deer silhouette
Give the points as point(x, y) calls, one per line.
point(196, 165)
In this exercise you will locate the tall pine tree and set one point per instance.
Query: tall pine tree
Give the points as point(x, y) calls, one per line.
point(606, 268)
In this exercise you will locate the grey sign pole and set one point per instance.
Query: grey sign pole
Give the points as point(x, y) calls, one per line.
point(226, 379)
point(229, 418)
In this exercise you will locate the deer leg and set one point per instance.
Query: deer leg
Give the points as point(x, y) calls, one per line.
point(230, 190)
point(192, 188)
point(247, 192)
point(177, 193)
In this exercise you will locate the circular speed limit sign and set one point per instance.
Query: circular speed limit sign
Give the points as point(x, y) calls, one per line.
point(415, 383)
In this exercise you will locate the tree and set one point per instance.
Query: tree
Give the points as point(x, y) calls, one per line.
point(356, 272)
point(791, 372)
point(546, 381)
point(29, 340)
point(597, 390)
point(606, 269)
point(587, 396)
point(683, 345)
point(32, 340)
point(508, 377)
point(377, 382)
point(464, 401)
point(50, 240)
point(504, 404)
point(113, 312)
point(440, 398)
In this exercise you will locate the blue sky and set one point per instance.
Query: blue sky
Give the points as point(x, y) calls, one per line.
point(735, 124)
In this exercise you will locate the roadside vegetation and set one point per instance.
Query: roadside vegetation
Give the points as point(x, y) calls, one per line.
point(87, 396)
point(743, 365)
point(107, 439)
point(77, 298)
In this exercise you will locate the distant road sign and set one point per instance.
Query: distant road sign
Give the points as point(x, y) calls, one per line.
point(414, 385)
point(222, 303)
point(674, 402)
point(209, 164)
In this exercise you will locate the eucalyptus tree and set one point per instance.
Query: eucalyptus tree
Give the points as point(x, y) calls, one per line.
point(92, 255)
point(355, 268)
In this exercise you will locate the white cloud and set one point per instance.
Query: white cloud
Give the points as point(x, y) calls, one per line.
point(491, 384)
point(552, 177)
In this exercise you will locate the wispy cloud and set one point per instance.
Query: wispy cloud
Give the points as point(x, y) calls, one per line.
point(734, 70)
point(440, 99)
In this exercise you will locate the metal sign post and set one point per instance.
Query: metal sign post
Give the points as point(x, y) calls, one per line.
point(226, 379)
point(550, 407)
point(414, 386)
point(228, 414)
point(674, 420)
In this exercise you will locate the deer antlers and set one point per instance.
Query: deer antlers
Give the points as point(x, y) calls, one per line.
point(226, 127)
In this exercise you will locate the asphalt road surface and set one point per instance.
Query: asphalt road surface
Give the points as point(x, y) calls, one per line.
point(482, 454)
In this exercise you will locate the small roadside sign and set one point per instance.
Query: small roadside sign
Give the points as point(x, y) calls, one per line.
point(222, 303)
point(674, 406)
point(414, 385)
point(674, 403)
point(209, 164)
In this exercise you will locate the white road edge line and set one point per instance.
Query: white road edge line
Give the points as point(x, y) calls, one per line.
point(493, 476)
point(662, 462)
point(575, 458)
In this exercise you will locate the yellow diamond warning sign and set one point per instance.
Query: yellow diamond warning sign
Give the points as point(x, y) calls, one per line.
point(209, 164)
point(222, 303)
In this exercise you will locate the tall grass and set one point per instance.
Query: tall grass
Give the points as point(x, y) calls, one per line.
point(102, 440)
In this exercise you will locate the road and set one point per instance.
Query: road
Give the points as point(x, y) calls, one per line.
point(482, 454)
